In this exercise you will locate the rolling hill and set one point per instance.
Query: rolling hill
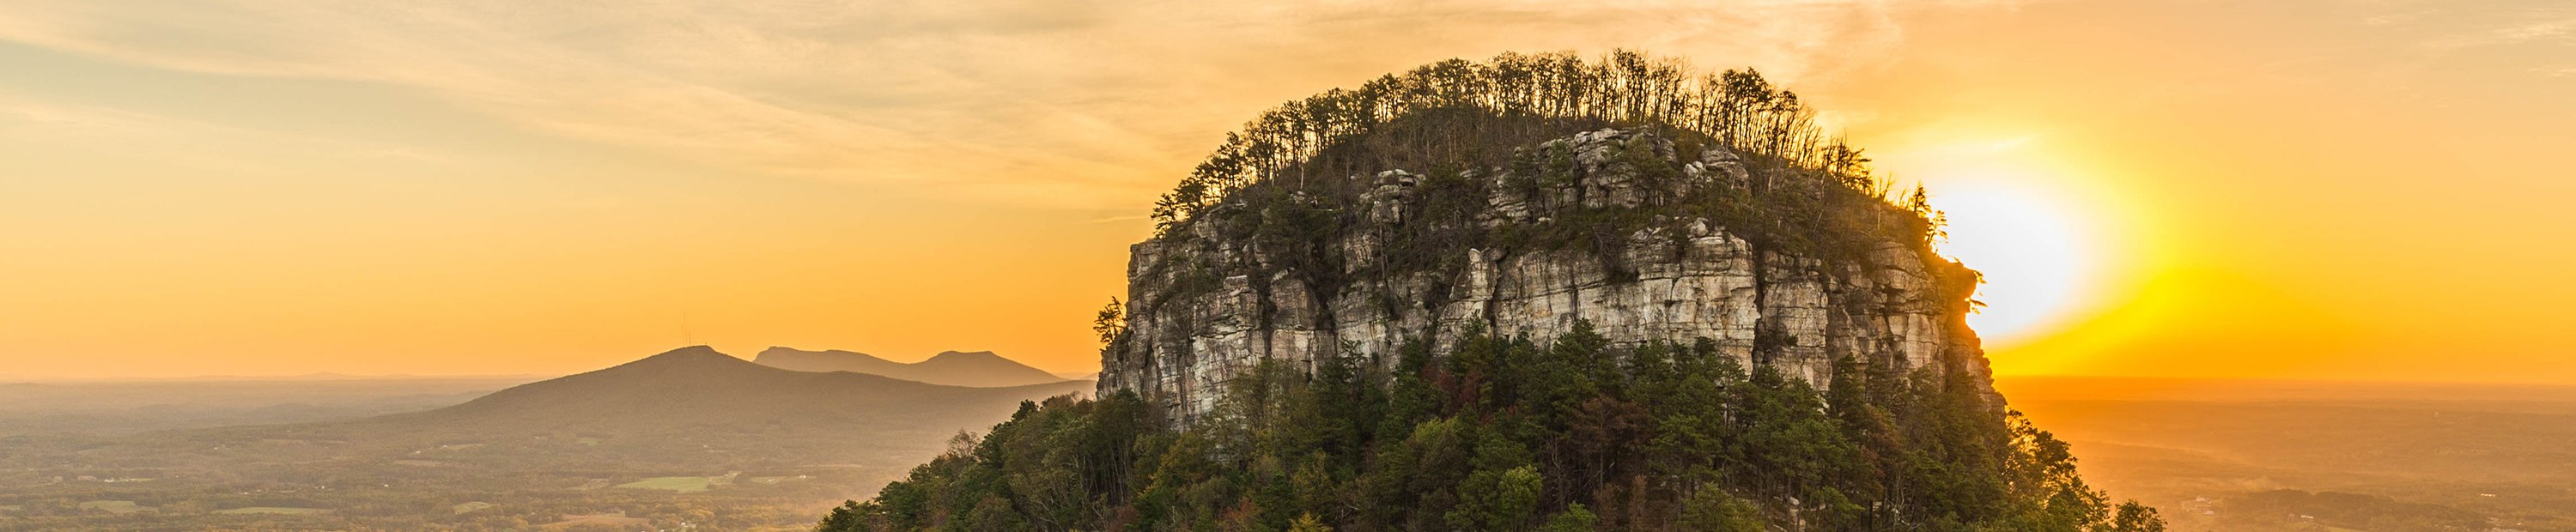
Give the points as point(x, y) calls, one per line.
point(686, 407)
point(689, 406)
point(953, 368)
point(689, 428)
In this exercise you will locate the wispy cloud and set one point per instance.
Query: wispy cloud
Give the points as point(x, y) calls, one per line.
point(2525, 31)
point(1088, 103)
point(30, 122)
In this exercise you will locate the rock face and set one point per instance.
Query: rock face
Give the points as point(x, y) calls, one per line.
point(1204, 307)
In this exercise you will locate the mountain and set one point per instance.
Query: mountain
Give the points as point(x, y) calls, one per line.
point(953, 368)
point(680, 406)
point(689, 407)
point(699, 385)
point(1537, 293)
point(752, 445)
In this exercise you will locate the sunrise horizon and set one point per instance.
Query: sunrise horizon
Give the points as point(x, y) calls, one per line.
point(1231, 265)
point(229, 201)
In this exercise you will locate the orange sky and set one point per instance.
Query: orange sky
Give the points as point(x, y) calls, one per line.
point(2351, 190)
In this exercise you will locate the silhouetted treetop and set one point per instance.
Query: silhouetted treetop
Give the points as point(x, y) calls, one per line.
point(1458, 111)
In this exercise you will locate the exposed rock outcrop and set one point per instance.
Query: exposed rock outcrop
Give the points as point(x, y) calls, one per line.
point(1206, 305)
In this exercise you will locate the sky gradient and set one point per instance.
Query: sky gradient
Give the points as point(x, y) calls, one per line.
point(2336, 190)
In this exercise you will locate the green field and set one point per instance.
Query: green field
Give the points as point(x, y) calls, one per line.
point(470, 507)
point(612, 519)
point(676, 484)
point(114, 507)
point(273, 510)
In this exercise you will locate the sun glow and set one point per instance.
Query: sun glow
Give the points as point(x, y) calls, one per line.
point(2043, 262)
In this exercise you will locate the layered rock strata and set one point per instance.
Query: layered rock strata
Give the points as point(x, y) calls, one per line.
point(1204, 307)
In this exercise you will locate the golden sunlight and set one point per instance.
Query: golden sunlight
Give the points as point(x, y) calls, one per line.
point(1574, 266)
point(2040, 258)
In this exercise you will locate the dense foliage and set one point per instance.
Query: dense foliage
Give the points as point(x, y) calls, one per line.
point(1504, 434)
point(1299, 178)
point(1460, 111)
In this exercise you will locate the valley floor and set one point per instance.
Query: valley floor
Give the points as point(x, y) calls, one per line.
point(690, 440)
point(2236, 455)
point(2216, 456)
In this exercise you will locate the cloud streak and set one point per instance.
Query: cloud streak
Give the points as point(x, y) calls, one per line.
point(1093, 104)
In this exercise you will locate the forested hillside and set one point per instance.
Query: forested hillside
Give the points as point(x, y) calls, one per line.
point(1505, 435)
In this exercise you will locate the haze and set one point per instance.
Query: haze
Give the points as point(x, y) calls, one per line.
point(2325, 190)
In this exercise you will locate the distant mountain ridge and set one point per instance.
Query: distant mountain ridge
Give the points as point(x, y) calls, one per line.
point(752, 436)
point(981, 369)
point(688, 407)
point(700, 386)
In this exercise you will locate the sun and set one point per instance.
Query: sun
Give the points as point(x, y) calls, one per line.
point(2040, 257)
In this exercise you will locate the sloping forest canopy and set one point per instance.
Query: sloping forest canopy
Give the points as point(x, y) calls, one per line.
point(1503, 432)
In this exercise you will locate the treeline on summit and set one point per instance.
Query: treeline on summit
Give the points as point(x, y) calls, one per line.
point(1459, 113)
point(1300, 176)
point(1504, 433)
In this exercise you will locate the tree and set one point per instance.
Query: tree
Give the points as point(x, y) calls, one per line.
point(1719, 511)
point(1308, 523)
point(2134, 517)
point(1575, 518)
point(1110, 323)
point(1496, 500)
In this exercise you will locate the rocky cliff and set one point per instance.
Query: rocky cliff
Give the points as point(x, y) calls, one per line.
point(1625, 229)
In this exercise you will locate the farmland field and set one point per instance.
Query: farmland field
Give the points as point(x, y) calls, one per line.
point(674, 484)
point(114, 507)
point(281, 510)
